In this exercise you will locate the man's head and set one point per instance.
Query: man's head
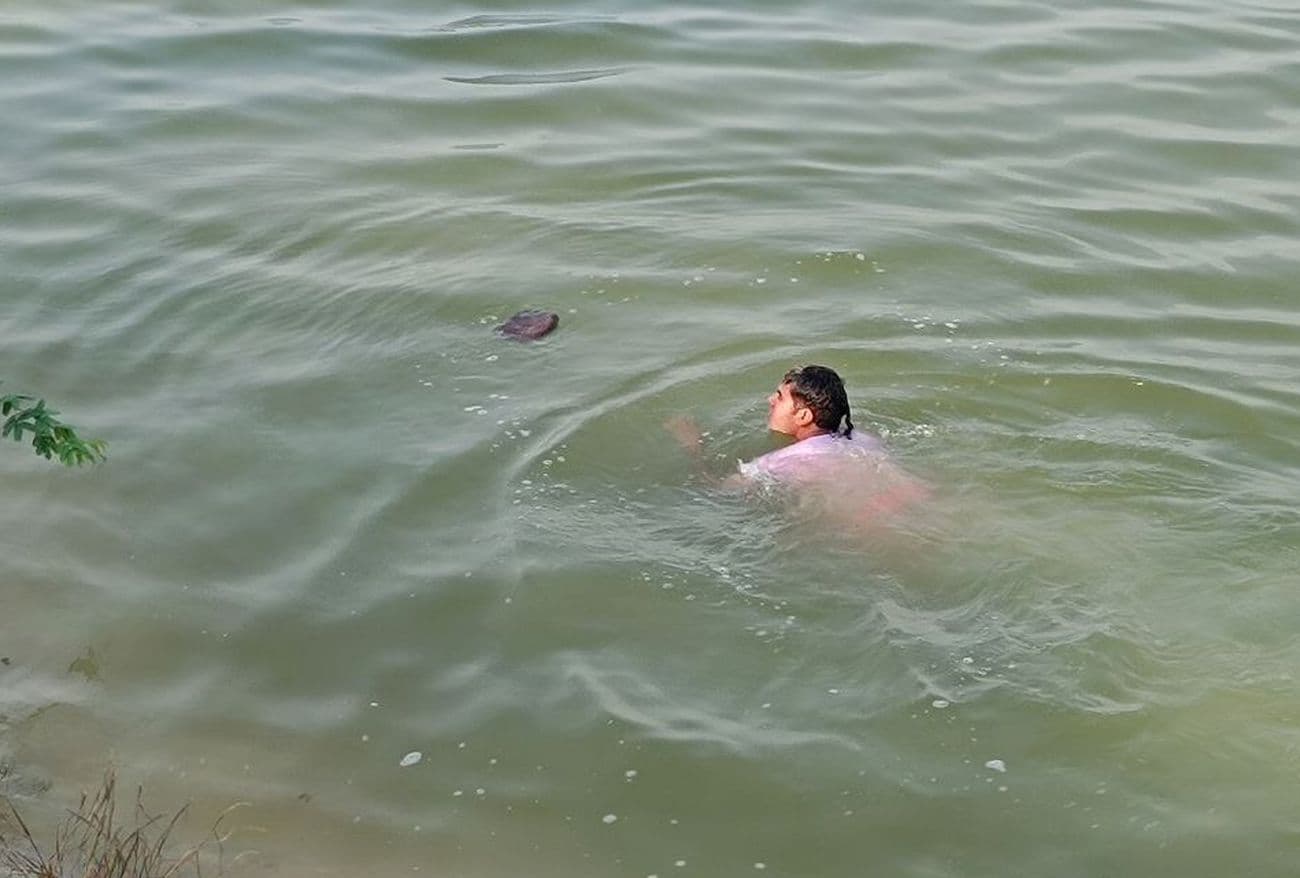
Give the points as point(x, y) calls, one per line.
point(810, 400)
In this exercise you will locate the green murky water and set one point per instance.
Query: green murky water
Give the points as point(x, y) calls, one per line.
point(1051, 247)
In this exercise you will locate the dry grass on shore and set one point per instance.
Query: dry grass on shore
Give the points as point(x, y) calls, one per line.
point(95, 842)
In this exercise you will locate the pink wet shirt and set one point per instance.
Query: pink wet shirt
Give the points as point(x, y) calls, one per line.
point(811, 458)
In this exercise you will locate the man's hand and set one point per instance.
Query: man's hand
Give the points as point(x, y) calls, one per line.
point(686, 432)
point(688, 435)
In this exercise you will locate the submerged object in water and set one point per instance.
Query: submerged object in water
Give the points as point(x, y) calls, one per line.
point(530, 325)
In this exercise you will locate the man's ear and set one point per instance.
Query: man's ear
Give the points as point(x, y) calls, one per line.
point(803, 416)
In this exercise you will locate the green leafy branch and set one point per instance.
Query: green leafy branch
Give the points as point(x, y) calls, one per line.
point(50, 437)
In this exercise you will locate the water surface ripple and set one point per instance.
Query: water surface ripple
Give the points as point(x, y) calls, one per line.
point(1051, 247)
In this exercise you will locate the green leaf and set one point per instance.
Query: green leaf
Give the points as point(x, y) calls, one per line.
point(50, 436)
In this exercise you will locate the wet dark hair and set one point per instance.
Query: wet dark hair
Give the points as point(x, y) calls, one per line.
point(822, 391)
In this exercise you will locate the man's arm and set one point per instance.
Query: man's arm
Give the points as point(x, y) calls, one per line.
point(689, 436)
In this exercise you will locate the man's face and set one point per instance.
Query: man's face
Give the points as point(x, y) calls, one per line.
point(785, 414)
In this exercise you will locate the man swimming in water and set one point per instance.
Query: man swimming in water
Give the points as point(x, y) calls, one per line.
point(811, 406)
point(832, 462)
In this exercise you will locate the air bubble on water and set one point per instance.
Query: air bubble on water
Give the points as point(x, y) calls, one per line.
point(940, 703)
point(458, 793)
point(861, 257)
point(968, 661)
point(412, 758)
point(609, 818)
point(997, 765)
point(630, 773)
point(679, 863)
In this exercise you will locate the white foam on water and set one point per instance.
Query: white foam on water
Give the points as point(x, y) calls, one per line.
point(412, 758)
